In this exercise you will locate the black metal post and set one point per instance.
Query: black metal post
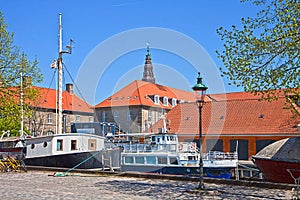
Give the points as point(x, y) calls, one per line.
point(201, 181)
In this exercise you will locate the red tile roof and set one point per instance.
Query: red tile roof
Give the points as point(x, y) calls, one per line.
point(70, 102)
point(241, 113)
point(142, 93)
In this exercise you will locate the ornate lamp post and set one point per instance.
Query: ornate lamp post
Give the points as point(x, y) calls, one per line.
point(200, 91)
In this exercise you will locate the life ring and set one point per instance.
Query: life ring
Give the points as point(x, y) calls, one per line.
point(180, 146)
point(193, 146)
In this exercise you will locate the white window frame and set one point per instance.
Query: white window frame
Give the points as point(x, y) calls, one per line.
point(165, 101)
point(156, 99)
point(150, 116)
point(77, 118)
point(174, 102)
point(49, 118)
point(91, 119)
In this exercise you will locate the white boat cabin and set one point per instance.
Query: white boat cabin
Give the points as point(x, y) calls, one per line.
point(63, 144)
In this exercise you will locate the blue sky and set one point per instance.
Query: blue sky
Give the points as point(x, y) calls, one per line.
point(110, 40)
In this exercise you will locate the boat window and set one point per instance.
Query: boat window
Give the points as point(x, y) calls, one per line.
point(163, 138)
point(32, 146)
point(45, 144)
point(128, 159)
point(162, 160)
point(173, 161)
point(168, 139)
point(153, 139)
point(92, 144)
point(150, 160)
point(59, 146)
point(139, 160)
point(73, 144)
point(158, 140)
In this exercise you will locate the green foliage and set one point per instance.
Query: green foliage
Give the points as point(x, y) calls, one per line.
point(263, 55)
point(12, 63)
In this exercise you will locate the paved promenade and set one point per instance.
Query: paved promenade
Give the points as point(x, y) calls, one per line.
point(43, 185)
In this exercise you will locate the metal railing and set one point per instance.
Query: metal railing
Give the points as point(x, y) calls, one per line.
point(147, 148)
point(217, 155)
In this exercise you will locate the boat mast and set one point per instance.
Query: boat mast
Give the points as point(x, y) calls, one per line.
point(60, 72)
point(59, 66)
point(21, 102)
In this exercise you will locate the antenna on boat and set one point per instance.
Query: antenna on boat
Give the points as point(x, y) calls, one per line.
point(21, 102)
point(60, 72)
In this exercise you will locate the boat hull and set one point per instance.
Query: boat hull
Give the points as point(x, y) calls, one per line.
point(16, 152)
point(220, 172)
point(278, 171)
point(80, 160)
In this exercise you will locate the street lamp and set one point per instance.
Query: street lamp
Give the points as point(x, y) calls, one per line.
point(200, 91)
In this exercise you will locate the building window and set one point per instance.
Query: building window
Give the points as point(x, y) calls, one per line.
point(116, 116)
point(129, 116)
point(73, 144)
point(49, 118)
point(77, 118)
point(59, 146)
point(174, 102)
point(104, 116)
point(156, 99)
point(165, 101)
point(91, 119)
point(149, 116)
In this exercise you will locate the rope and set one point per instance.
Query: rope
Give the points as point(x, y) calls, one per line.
point(69, 170)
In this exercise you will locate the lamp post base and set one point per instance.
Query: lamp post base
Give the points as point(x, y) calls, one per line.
point(201, 186)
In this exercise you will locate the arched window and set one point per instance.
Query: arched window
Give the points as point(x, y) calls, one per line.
point(165, 101)
point(174, 102)
point(156, 99)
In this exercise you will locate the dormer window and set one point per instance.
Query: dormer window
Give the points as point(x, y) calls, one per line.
point(165, 101)
point(156, 99)
point(174, 102)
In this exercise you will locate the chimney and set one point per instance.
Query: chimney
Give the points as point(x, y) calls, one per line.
point(69, 88)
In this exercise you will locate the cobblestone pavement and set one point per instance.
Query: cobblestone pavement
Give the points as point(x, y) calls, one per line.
point(43, 185)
